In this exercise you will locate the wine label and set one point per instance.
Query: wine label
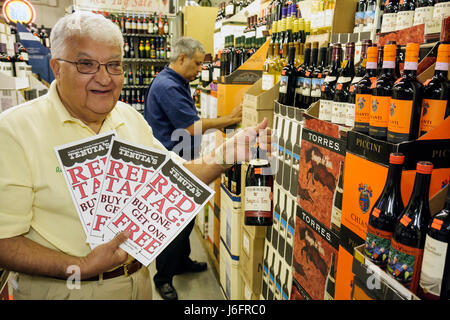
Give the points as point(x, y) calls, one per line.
point(350, 115)
point(216, 73)
point(441, 10)
point(258, 201)
point(379, 113)
point(378, 244)
point(405, 19)
point(433, 114)
point(329, 79)
point(338, 112)
point(306, 90)
point(298, 85)
point(325, 109)
point(316, 83)
point(400, 117)
point(404, 264)
point(433, 264)
point(359, 17)
point(267, 82)
point(389, 22)
point(283, 84)
point(363, 103)
point(369, 17)
point(422, 15)
point(205, 75)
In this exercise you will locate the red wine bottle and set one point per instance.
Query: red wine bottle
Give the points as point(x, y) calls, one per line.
point(405, 256)
point(287, 81)
point(404, 109)
point(381, 95)
point(434, 281)
point(435, 106)
point(363, 92)
point(385, 213)
point(258, 194)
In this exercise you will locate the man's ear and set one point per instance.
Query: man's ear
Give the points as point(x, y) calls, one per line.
point(56, 68)
point(181, 58)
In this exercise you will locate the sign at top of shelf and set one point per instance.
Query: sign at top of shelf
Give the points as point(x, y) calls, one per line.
point(19, 11)
point(167, 7)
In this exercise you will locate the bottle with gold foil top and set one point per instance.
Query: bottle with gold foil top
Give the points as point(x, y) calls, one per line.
point(385, 213)
point(363, 92)
point(381, 95)
point(404, 109)
point(269, 72)
point(408, 241)
point(435, 106)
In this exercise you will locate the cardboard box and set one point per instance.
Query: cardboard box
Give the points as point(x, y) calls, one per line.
point(251, 260)
point(259, 99)
point(252, 117)
point(247, 293)
point(230, 279)
point(372, 283)
point(230, 218)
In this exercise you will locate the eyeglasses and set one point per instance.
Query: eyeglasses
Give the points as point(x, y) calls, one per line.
point(89, 66)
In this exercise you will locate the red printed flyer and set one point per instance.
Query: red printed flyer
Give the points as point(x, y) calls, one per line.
point(83, 163)
point(159, 211)
point(128, 167)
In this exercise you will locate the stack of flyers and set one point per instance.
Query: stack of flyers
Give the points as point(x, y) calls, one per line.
point(117, 185)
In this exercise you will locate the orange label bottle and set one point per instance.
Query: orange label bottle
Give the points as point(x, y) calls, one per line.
point(433, 114)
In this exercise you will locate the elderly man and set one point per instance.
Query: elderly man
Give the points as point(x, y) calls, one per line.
point(171, 112)
point(41, 236)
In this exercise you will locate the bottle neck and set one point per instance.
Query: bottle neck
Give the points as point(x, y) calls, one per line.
point(314, 55)
point(307, 56)
point(393, 179)
point(421, 188)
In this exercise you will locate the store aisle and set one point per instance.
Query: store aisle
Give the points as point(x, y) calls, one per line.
point(195, 286)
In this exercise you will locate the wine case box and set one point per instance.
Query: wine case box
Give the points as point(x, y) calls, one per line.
point(230, 278)
point(366, 167)
point(373, 283)
point(250, 261)
point(201, 220)
point(230, 221)
point(252, 117)
point(259, 99)
point(247, 293)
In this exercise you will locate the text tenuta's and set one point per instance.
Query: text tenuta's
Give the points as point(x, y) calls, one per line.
point(186, 183)
point(138, 156)
point(324, 141)
point(85, 151)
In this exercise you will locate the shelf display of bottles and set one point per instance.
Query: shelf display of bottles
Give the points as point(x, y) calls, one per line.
point(229, 8)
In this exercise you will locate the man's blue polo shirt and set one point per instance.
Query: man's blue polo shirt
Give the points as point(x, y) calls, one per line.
point(169, 106)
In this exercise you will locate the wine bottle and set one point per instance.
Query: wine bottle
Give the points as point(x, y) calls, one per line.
point(307, 80)
point(341, 93)
point(281, 145)
point(405, 14)
point(287, 81)
point(336, 208)
point(381, 95)
point(268, 75)
point(329, 84)
point(408, 241)
point(277, 295)
point(282, 229)
point(317, 76)
point(385, 213)
point(258, 194)
point(300, 74)
point(330, 282)
point(130, 75)
point(435, 106)
point(277, 208)
point(236, 179)
point(434, 280)
point(295, 162)
point(404, 113)
point(389, 16)
point(363, 92)
point(126, 50)
point(141, 49)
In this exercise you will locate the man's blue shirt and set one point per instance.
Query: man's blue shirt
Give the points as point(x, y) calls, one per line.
point(169, 106)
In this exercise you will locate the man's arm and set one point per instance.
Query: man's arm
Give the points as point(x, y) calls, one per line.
point(237, 148)
point(205, 124)
point(23, 255)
